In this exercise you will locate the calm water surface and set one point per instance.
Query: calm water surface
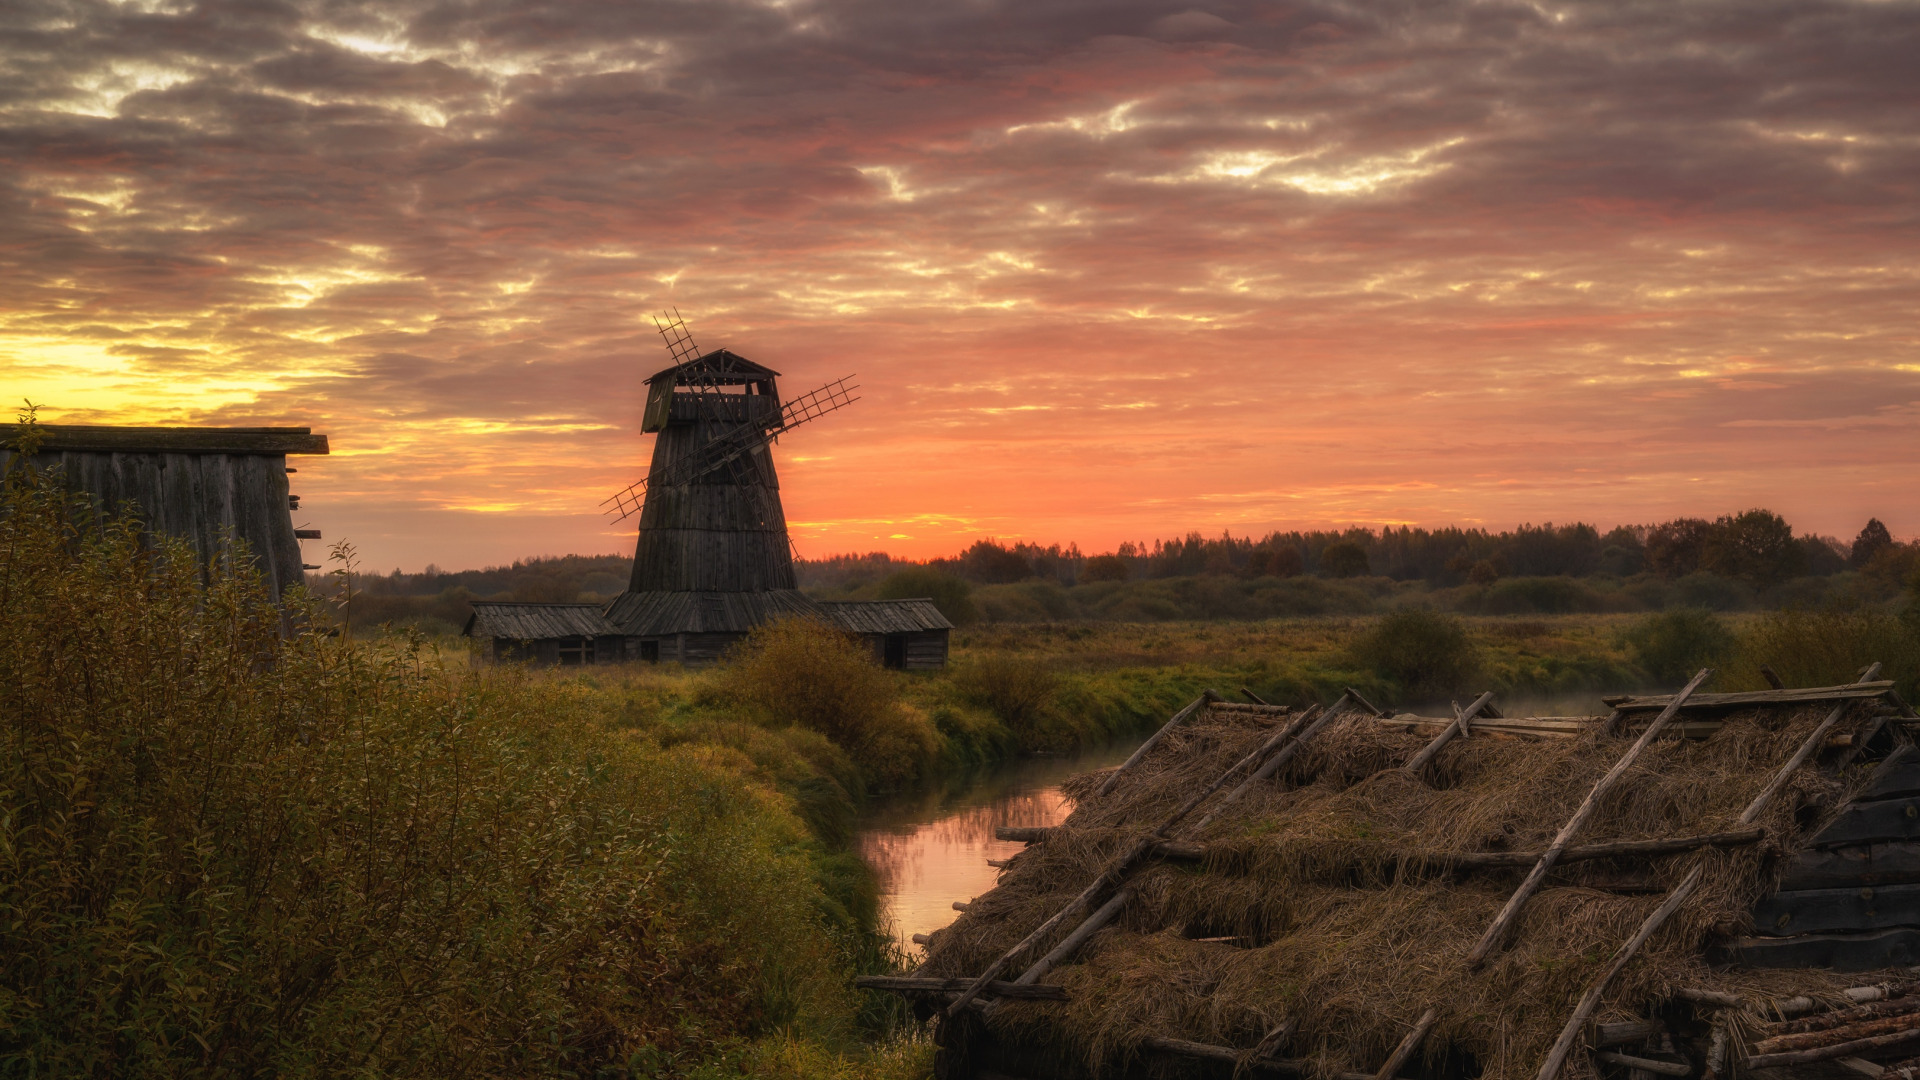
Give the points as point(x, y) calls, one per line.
point(933, 850)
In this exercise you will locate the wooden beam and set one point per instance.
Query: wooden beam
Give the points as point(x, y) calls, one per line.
point(1808, 748)
point(1617, 849)
point(1154, 739)
point(1591, 804)
point(1899, 947)
point(1295, 736)
point(1896, 777)
point(87, 438)
point(1627, 1031)
point(1023, 834)
point(1818, 911)
point(1871, 822)
point(1811, 695)
point(1223, 1054)
point(1839, 868)
point(1664, 1068)
point(1852, 1048)
point(904, 984)
point(1447, 734)
point(1409, 1045)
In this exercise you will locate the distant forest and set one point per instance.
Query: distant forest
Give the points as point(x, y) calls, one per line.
point(1735, 561)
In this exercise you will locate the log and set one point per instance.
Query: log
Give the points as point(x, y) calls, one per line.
point(1535, 877)
point(1590, 1000)
point(1856, 691)
point(1896, 777)
point(1224, 1054)
point(999, 864)
point(1839, 952)
point(1022, 834)
point(1165, 849)
point(1859, 1029)
point(1354, 695)
point(960, 905)
point(1153, 740)
point(1664, 1068)
point(1115, 871)
point(1871, 822)
point(1069, 945)
point(1719, 998)
point(1255, 709)
point(923, 939)
point(1253, 697)
point(1620, 1034)
point(1824, 911)
point(1408, 1045)
point(1807, 749)
point(1296, 735)
point(905, 984)
point(1853, 867)
point(1617, 849)
point(1447, 734)
point(1827, 1021)
point(1838, 1050)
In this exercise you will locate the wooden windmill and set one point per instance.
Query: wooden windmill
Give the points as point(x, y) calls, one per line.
point(713, 557)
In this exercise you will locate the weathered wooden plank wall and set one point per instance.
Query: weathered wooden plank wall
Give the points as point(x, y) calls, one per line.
point(712, 535)
point(199, 497)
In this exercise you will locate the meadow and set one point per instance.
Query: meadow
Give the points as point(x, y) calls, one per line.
point(237, 840)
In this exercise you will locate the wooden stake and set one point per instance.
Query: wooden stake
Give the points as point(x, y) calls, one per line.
point(1206, 697)
point(1664, 1068)
point(1440, 741)
point(1408, 1045)
point(1308, 726)
point(1508, 914)
point(1590, 1001)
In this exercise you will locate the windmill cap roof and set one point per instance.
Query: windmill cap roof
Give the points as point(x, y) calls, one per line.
point(721, 362)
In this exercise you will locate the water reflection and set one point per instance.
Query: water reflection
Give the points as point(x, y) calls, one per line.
point(933, 850)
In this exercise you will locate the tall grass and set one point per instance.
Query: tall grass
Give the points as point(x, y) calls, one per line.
point(228, 852)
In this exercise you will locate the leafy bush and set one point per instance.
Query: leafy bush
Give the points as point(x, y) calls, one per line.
point(1017, 689)
point(811, 675)
point(1423, 651)
point(1672, 645)
point(952, 595)
point(1539, 595)
point(229, 852)
point(1829, 646)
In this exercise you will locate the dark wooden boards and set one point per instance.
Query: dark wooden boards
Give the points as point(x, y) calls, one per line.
point(1839, 868)
point(1872, 822)
point(904, 984)
point(1815, 911)
point(1839, 952)
point(270, 441)
point(1810, 695)
point(1899, 781)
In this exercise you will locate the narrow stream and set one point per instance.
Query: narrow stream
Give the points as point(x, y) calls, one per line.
point(932, 850)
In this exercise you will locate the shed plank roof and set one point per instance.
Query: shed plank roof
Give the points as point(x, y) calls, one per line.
point(535, 622)
point(657, 614)
point(887, 616)
point(273, 441)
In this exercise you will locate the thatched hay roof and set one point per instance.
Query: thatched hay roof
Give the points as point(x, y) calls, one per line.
point(1331, 908)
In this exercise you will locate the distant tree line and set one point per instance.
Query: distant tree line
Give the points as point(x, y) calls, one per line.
point(1757, 547)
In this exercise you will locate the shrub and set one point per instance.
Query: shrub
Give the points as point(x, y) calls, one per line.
point(1344, 559)
point(1423, 651)
point(1672, 645)
point(1541, 595)
point(1829, 646)
point(1017, 689)
point(808, 674)
point(1104, 568)
point(952, 595)
point(229, 852)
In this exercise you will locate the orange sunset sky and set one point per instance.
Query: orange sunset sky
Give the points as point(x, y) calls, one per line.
point(1105, 270)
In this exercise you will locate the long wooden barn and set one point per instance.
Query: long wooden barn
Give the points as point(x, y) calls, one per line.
point(200, 484)
point(1697, 885)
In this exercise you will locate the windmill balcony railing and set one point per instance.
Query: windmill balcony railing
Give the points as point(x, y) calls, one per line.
point(725, 408)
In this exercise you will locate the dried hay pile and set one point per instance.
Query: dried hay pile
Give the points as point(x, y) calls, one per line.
point(1349, 931)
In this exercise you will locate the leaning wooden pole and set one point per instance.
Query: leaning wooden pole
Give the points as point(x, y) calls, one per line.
point(1408, 1045)
point(1114, 872)
point(1207, 697)
point(1590, 1001)
point(1538, 875)
point(1447, 734)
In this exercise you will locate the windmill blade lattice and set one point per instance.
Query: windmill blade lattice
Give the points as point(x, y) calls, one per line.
point(731, 447)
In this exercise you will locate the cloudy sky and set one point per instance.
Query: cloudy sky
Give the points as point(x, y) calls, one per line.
point(1105, 269)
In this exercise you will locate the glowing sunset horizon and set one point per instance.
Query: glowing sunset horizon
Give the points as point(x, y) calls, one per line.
point(1106, 272)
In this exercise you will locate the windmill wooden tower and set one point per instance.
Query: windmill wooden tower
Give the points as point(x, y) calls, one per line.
point(713, 558)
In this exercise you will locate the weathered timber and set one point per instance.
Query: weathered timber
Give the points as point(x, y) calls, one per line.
point(1898, 777)
point(902, 984)
point(1811, 695)
point(961, 905)
point(1664, 1068)
point(923, 939)
point(268, 441)
point(1615, 850)
point(1496, 933)
point(1069, 945)
point(1409, 1044)
point(1624, 1032)
point(1153, 740)
point(1023, 834)
point(1816, 911)
point(1224, 1054)
point(1866, 823)
point(1838, 1050)
point(1838, 952)
point(1858, 1029)
point(1807, 749)
point(1256, 709)
point(1289, 740)
point(1354, 695)
point(1033, 834)
point(1839, 1018)
point(1717, 998)
point(1869, 864)
point(1460, 726)
point(1549, 727)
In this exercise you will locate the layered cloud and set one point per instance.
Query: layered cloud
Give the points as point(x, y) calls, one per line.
point(1106, 270)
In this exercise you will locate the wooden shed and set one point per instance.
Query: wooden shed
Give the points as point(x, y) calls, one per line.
point(698, 627)
point(1712, 885)
point(910, 634)
point(565, 635)
point(201, 484)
